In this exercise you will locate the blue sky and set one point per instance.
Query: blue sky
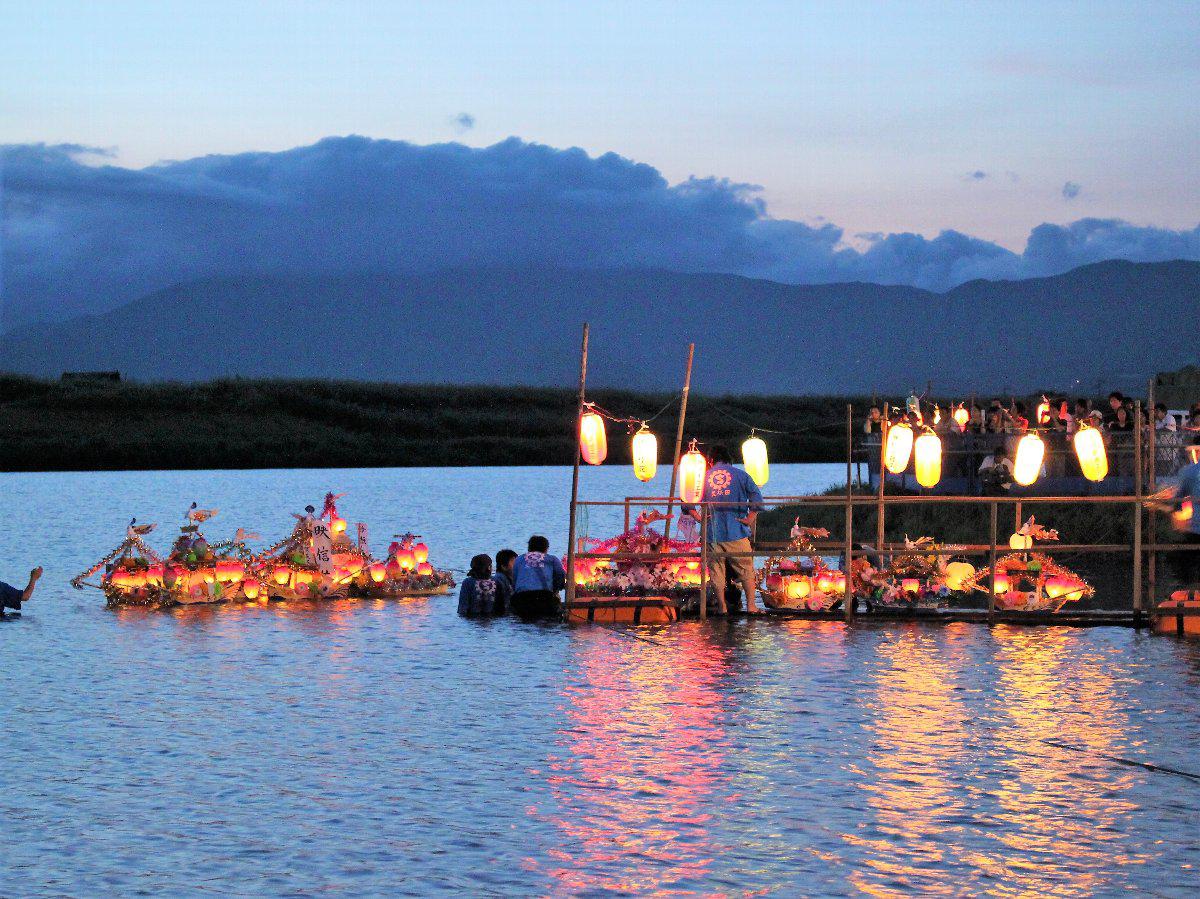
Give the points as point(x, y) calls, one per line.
point(873, 116)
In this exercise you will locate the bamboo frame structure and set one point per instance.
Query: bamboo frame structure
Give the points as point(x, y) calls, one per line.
point(683, 401)
point(583, 360)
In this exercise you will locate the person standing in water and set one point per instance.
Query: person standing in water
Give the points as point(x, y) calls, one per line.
point(11, 597)
point(537, 578)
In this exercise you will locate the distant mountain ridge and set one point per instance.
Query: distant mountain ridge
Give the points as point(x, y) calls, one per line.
point(1111, 323)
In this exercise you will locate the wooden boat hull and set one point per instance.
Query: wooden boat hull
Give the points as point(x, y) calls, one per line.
point(623, 610)
point(1181, 625)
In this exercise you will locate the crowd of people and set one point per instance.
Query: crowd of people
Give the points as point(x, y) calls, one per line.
point(525, 584)
point(982, 449)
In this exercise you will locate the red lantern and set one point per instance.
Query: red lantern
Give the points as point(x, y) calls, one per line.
point(406, 560)
point(251, 588)
point(283, 574)
point(424, 569)
point(420, 553)
point(378, 572)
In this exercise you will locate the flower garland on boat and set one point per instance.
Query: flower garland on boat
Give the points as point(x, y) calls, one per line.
point(625, 577)
point(800, 578)
point(920, 577)
point(1031, 581)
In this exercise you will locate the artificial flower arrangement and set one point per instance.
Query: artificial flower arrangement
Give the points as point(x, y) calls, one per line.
point(1029, 581)
point(800, 578)
point(674, 577)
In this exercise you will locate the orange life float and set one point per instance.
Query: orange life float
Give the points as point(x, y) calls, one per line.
point(623, 610)
point(1166, 623)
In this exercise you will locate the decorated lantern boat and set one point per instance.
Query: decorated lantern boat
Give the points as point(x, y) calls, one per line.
point(315, 561)
point(642, 591)
point(1029, 581)
point(800, 578)
point(406, 571)
point(924, 576)
point(194, 571)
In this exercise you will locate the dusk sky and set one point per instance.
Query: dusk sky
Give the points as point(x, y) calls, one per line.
point(987, 118)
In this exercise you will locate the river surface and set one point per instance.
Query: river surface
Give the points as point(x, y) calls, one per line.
point(364, 748)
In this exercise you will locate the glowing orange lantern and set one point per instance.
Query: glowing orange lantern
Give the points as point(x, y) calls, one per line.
point(1020, 542)
point(824, 582)
point(910, 585)
point(593, 442)
point(119, 579)
point(692, 468)
point(837, 582)
point(283, 574)
point(957, 574)
point(645, 454)
point(251, 588)
point(304, 578)
point(1002, 585)
point(154, 576)
point(424, 569)
point(209, 575)
point(1055, 587)
point(1089, 447)
point(420, 553)
point(1183, 515)
point(798, 587)
point(928, 459)
point(406, 560)
point(378, 572)
point(899, 448)
point(1030, 452)
point(337, 526)
point(754, 458)
point(1043, 412)
point(961, 417)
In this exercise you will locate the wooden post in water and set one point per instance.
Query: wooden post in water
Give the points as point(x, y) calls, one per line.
point(883, 435)
point(583, 360)
point(1017, 516)
point(848, 596)
point(1137, 513)
point(1152, 561)
point(992, 525)
point(683, 401)
point(704, 563)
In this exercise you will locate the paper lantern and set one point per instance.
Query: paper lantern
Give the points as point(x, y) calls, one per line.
point(1030, 452)
point(645, 454)
point(824, 582)
point(1002, 584)
point(1043, 412)
point(283, 574)
point(154, 575)
point(406, 560)
point(304, 578)
point(209, 575)
point(754, 458)
point(910, 585)
point(337, 526)
point(1089, 447)
point(961, 417)
point(957, 573)
point(1020, 542)
point(928, 459)
point(378, 572)
point(593, 442)
point(424, 569)
point(798, 587)
point(420, 553)
point(251, 588)
point(899, 448)
point(1183, 515)
point(837, 582)
point(692, 468)
point(1055, 587)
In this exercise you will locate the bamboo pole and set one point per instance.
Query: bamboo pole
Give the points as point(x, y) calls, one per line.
point(1152, 561)
point(1017, 516)
point(883, 435)
point(848, 596)
point(583, 360)
point(683, 401)
point(704, 563)
point(1137, 511)
point(992, 525)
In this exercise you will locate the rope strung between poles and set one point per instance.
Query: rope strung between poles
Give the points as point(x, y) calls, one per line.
point(631, 423)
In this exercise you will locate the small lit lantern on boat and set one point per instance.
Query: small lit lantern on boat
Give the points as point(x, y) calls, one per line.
point(961, 417)
point(910, 585)
point(1089, 447)
point(1055, 587)
point(645, 454)
point(424, 569)
point(1002, 585)
point(154, 576)
point(593, 442)
point(754, 458)
point(420, 553)
point(1020, 542)
point(283, 574)
point(251, 588)
point(1043, 412)
point(1030, 452)
point(899, 448)
point(824, 582)
point(692, 468)
point(957, 574)
point(406, 560)
point(337, 526)
point(304, 578)
point(378, 572)
point(837, 582)
point(228, 571)
point(798, 587)
point(209, 575)
point(1183, 515)
point(928, 459)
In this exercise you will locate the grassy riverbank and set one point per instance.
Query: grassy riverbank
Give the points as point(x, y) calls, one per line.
point(97, 425)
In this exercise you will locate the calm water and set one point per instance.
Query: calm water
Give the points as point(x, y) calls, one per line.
point(385, 747)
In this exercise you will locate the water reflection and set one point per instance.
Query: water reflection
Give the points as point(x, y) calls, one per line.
point(639, 767)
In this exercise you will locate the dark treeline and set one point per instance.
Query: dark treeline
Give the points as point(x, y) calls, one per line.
point(235, 423)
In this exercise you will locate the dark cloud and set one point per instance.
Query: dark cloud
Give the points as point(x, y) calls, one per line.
point(464, 121)
point(1070, 190)
point(81, 237)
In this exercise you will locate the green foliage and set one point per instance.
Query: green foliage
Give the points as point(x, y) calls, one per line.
point(238, 423)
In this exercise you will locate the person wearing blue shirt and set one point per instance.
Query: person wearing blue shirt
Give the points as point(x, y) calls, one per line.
point(537, 578)
point(1187, 495)
point(729, 526)
point(11, 597)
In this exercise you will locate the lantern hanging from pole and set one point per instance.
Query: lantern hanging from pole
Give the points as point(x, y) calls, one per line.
point(961, 417)
point(645, 454)
point(593, 442)
point(692, 468)
point(927, 452)
point(754, 458)
point(1030, 452)
point(899, 448)
point(1089, 447)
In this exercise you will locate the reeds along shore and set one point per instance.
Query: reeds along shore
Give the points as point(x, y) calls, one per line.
point(234, 423)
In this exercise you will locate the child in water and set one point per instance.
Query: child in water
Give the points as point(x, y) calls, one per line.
point(477, 595)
